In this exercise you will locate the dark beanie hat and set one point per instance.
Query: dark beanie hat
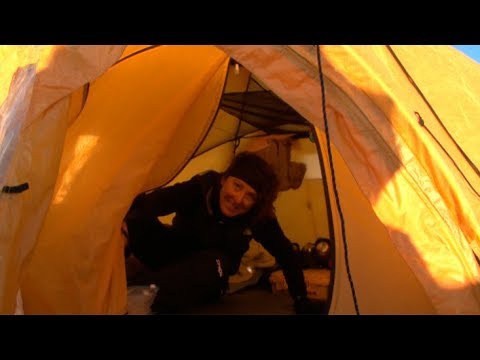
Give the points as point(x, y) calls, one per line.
point(254, 170)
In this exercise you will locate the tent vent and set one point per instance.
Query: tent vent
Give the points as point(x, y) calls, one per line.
point(422, 124)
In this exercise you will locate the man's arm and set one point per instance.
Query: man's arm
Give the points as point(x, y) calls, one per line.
point(271, 236)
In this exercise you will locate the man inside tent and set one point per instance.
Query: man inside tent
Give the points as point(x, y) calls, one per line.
point(216, 217)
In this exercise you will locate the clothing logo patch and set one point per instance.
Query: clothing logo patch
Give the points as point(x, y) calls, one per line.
point(247, 232)
point(219, 267)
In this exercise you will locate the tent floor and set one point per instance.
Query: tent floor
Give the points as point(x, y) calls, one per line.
point(255, 300)
point(250, 301)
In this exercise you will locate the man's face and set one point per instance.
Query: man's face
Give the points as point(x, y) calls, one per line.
point(236, 196)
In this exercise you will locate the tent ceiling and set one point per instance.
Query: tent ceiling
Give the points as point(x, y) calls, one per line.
point(263, 110)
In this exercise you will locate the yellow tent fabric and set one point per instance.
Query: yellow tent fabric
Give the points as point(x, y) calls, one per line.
point(411, 220)
point(90, 198)
point(403, 174)
point(33, 122)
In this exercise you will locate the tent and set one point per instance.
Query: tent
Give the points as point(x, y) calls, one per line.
point(83, 129)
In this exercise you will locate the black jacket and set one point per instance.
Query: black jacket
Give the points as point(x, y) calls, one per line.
point(199, 221)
